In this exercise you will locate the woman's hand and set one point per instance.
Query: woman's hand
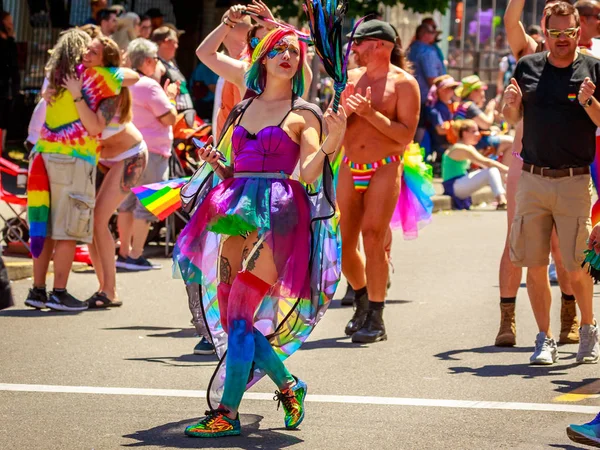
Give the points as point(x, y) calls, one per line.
point(234, 15)
point(73, 84)
point(209, 154)
point(336, 125)
point(172, 89)
point(259, 8)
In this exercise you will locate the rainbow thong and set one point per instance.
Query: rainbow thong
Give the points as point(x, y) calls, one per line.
point(362, 173)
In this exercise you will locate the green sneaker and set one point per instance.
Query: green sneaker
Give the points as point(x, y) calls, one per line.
point(293, 403)
point(215, 424)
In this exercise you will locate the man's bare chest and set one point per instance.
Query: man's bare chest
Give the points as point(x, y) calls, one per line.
point(383, 96)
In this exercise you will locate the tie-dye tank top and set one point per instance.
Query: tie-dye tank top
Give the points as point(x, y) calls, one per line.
point(63, 131)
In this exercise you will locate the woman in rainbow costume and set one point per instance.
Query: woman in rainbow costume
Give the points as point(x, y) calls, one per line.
point(265, 248)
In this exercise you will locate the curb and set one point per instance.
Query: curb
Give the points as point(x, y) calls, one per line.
point(444, 202)
point(20, 270)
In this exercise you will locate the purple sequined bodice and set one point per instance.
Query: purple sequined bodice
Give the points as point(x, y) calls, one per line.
point(270, 150)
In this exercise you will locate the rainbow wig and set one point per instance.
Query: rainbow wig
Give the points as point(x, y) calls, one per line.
point(256, 76)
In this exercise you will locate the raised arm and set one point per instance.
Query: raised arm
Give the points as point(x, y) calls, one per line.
point(225, 66)
point(130, 77)
point(312, 154)
point(519, 41)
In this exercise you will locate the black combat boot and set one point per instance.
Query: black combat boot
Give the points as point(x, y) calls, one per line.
point(348, 299)
point(361, 305)
point(373, 329)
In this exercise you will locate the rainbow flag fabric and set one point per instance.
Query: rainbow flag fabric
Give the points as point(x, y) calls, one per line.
point(38, 204)
point(163, 198)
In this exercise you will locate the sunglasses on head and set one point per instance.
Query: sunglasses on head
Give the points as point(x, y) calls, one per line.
point(570, 33)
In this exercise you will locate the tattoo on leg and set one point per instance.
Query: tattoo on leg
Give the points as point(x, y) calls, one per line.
point(245, 253)
point(108, 108)
point(225, 270)
point(252, 262)
point(132, 171)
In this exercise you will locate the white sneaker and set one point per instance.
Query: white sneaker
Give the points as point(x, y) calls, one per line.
point(589, 349)
point(546, 351)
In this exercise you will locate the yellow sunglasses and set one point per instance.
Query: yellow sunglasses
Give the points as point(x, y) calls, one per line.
point(570, 33)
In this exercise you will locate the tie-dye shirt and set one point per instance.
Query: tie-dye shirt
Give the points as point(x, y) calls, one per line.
point(63, 131)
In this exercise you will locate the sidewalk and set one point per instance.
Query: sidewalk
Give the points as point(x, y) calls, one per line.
point(20, 268)
point(443, 202)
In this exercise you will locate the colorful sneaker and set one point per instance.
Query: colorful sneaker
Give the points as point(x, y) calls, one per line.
point(546, 351)
point(293, 403)
point(204, 347)
point(215, 424)
point(140, 263)
point(586, 434)
point(63, 301)
point(37, 298)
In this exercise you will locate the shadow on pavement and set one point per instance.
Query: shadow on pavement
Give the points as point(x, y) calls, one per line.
point(187, 360)
point(488, 349)
point(171, 435)
point(567, 447)
point(172, 333)
point(587, 386)
point(338, 303)
point(337, 342)
point(524, 371)
point(29, 313)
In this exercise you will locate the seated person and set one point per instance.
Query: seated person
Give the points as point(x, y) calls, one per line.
point(472, 99)
point(459, 183)
point(438, 116)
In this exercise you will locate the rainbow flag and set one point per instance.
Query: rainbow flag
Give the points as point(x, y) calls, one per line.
point(163, 198)
point(38, 204)
point(572, 97)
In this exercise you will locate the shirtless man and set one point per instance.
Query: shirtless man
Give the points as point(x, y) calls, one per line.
point(521, 45)
point(382, 101)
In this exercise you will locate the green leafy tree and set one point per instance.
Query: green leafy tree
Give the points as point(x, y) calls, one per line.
point(293, 8)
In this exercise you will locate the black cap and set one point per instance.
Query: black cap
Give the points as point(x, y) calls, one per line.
point(154, 13)
point(375, 29)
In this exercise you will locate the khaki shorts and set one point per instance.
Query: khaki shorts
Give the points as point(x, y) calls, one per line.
point(543, 203)
point(72, 197)
point(156, 170)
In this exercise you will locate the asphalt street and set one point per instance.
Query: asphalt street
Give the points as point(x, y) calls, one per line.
point(127, 377)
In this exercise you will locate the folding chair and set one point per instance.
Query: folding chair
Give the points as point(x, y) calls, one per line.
point(15, 228)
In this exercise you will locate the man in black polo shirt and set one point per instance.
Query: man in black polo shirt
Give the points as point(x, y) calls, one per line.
point(555, 94)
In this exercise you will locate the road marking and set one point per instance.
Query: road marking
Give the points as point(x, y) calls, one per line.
point(590, 390)
point(348, 399)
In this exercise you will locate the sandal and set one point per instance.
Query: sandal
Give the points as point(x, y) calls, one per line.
point(105, 302)
point(502, 207)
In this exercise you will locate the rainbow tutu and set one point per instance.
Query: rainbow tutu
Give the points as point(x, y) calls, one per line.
point(298, 223)
point(415, 206)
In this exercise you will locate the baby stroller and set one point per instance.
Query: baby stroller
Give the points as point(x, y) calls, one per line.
point(185, 158)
